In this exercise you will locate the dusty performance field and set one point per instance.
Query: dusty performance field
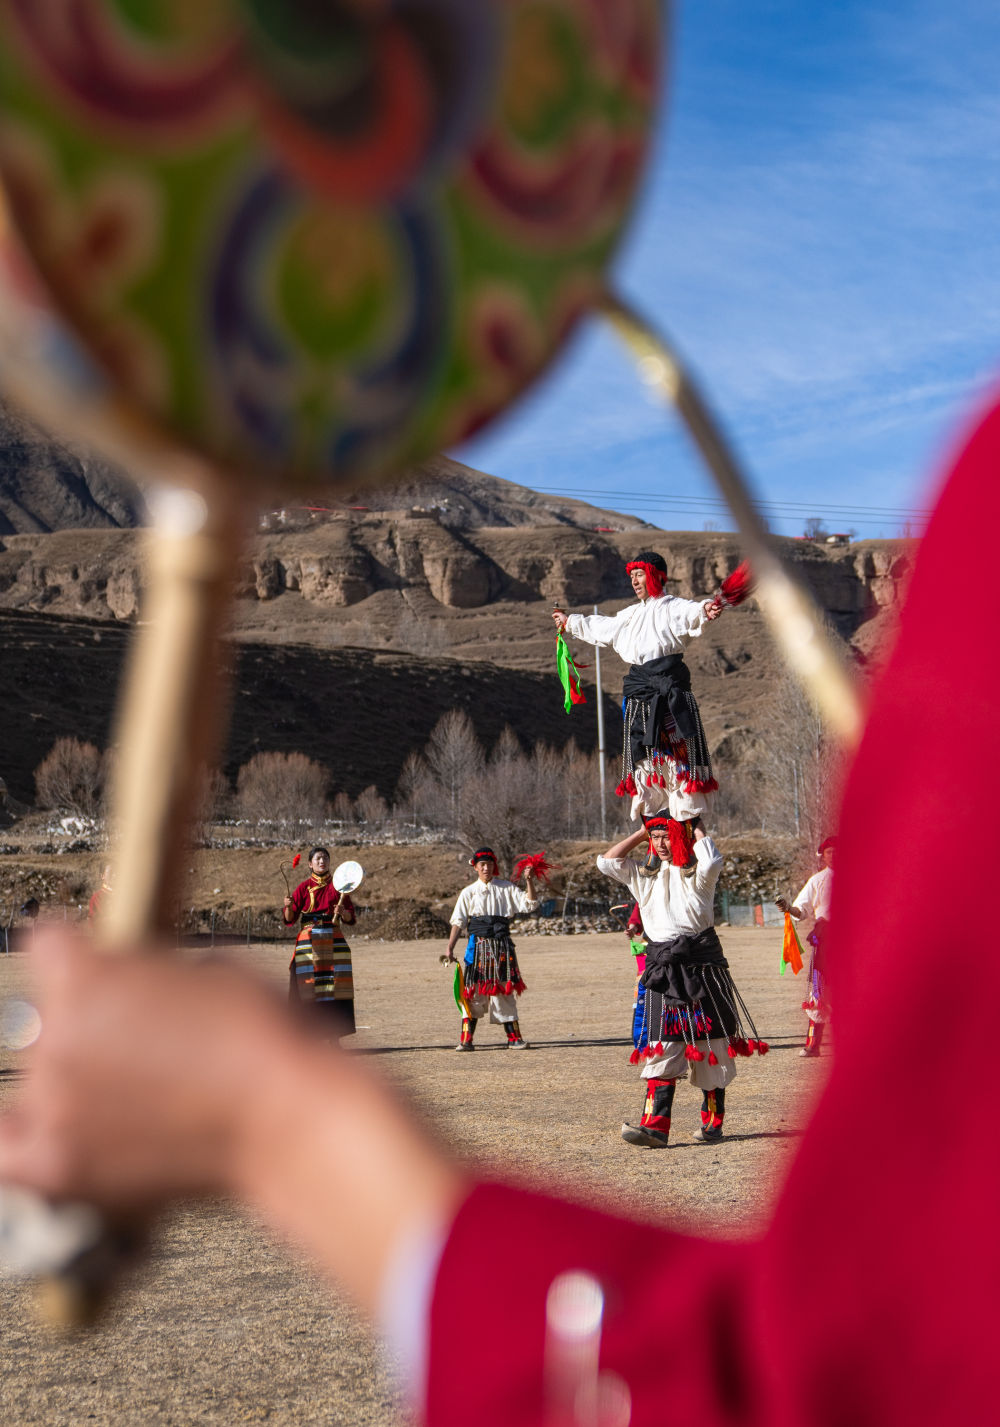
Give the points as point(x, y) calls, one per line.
point(223, 1326)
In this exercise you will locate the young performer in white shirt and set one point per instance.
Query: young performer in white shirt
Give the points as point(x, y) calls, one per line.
point(489, 978)
point(814, 901)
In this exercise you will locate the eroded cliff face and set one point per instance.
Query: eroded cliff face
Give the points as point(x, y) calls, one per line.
point(372, 571)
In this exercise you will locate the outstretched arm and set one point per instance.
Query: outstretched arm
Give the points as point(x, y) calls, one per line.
point(137, 1093)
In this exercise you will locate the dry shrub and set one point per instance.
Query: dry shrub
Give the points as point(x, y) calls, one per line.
point(403, 919)
point(371, 808)
point(70, 778)
point(276, 786)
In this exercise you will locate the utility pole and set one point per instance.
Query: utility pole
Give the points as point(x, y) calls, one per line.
point(600, 740)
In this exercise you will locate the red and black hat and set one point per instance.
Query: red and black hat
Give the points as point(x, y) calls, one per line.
point(681, 837)
point(482, 854)
point(655, 567)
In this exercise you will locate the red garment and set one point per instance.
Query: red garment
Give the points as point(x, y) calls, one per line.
point(871, 1300)
point(94, 905)
point(310, 896)
point(325, 898)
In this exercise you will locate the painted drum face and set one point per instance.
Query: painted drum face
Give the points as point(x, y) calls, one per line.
point(323, 239)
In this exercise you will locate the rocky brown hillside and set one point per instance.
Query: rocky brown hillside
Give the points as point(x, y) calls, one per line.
point(408, 581)
point(355, 629)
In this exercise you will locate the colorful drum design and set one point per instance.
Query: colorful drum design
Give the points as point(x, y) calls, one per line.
point(323, 974)
point(323, 240)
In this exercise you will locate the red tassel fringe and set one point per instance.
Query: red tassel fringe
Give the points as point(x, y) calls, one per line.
point(635, 1057)
point(737, 586)
point(537, 864)
point(701, 785)
point(762, 1047)
point(713, 1059)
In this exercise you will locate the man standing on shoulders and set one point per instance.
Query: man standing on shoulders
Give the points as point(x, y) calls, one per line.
point(814, 901)
point(695, 1020)
point(489, 978)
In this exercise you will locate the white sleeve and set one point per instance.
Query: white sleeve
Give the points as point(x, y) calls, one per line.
point(593, 628)
point(460, 916)
point(622, 869)
point(522, 902)
point(804, 901)
point(709, 860)
point(404, 1303)
point(684, 619)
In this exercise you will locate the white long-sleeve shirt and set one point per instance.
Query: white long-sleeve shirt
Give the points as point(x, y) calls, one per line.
point(649, 629)
point(498, 898)
point(814, 899)
point(671, 904)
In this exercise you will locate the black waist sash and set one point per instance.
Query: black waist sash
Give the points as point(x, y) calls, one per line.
point(662, 685)
point(495, 928)
point(674, 968)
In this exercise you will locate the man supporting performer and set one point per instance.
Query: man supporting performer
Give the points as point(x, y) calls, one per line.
point(695, 1020)
point(489, 978)
point(814, 901)
point(320, 971)
point(665, 758)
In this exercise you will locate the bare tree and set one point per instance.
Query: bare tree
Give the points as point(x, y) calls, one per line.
point(211, 801)
point(342, 809)
point(71, 777)
point(455, 758)
point(282, 785)
point(415, 791)
point(371, 808)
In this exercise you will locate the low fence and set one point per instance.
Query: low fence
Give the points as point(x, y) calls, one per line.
point(246, 926)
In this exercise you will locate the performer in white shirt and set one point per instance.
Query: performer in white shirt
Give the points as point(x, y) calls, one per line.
point(814, 901)
point(665, 758)
point(489, 978)
point(696, 1021)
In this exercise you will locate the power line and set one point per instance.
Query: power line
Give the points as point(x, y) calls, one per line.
point(692, 502)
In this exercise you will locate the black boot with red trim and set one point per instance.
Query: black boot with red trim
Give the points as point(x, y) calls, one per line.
point(468, 1030)
point(713, 1112)
point(653, 1130)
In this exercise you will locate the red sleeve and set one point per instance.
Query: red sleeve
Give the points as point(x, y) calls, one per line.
point(487, 1337)
point(298, 902)
point(871, 1299)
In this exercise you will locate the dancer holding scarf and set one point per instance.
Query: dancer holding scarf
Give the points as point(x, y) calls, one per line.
point(489, 979)
point(695, 1021)
point(814, 901)
point(320, 905)
point(665, 758)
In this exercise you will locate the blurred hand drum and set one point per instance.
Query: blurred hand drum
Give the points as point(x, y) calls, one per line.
point(321, 240)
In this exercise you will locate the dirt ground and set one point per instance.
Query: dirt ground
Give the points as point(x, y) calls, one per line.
point(224, 1326)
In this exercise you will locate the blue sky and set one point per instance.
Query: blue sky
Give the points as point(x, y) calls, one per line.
point(820, 234)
